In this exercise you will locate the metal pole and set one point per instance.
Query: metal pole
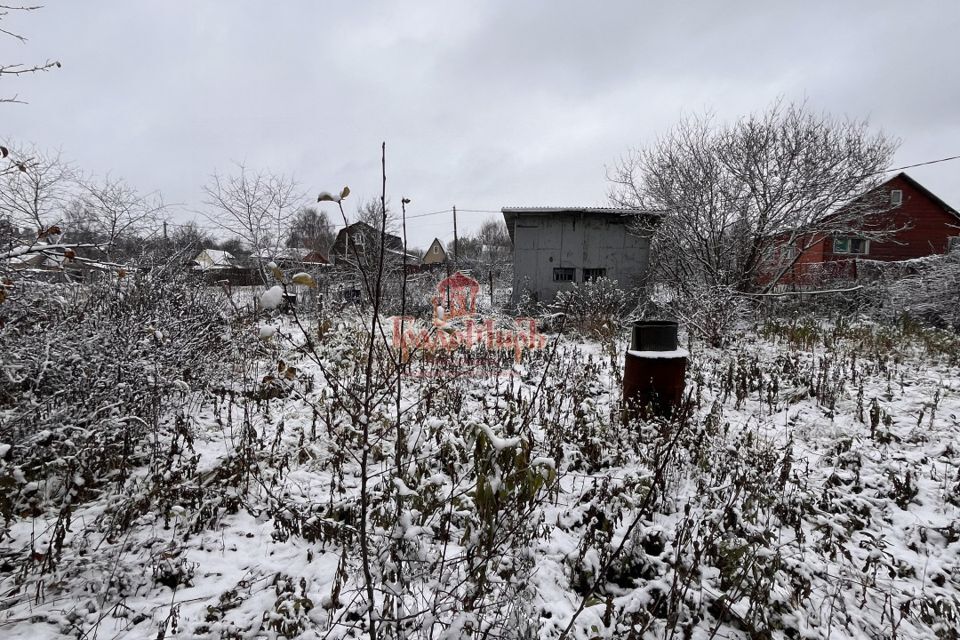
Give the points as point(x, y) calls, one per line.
point(456, 244)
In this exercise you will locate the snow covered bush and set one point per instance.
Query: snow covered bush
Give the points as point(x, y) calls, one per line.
point(88, 372)
point(596, 308)
point(931, 295)
point(711, 313)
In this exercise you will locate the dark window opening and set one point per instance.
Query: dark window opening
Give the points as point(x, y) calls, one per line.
point(564, 274)
point(593, 274)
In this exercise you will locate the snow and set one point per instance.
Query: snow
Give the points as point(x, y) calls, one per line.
point(846, 538)
point(675, 353)
point(498, 443)
point(272, 297)
point(267, 331)
point(402, 489)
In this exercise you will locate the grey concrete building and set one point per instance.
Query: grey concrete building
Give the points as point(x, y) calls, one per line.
point(556, 246)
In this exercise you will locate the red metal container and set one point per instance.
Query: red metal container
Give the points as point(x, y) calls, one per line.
point(654, 375)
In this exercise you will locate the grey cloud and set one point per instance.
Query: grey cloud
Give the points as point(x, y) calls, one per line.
point(482, 104)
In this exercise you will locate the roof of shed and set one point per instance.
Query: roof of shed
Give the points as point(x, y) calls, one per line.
point(510, 213)
point(617, 211)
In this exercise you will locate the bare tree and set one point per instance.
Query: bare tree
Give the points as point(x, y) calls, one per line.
point(371, 213)
point(190, 237)
point(312, 230)
point(379, 235)
point(19, 69)
point(12, 162)
point(732, 196)
point(35, 197)
point(488, 251)
point(110, 210)
point(255, 206)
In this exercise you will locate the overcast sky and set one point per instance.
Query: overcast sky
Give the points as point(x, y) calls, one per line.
point(482, 104)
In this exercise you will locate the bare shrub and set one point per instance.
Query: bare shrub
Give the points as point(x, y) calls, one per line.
point(931, 295)
point(88, 373)
point(595, 308)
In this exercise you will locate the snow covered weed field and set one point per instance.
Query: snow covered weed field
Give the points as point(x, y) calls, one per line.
point(808, 489)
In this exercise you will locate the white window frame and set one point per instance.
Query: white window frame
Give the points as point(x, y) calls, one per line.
point(953, 243)
point(896, 197)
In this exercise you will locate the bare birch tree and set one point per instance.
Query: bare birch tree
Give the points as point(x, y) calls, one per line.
point(733, 195)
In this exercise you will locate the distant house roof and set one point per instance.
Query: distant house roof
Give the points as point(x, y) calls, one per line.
point(341, 249)
point(510, 213)
point(283, 253)
point(215, 259)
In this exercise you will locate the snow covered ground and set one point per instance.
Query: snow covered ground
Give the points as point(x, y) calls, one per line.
point(809, 489)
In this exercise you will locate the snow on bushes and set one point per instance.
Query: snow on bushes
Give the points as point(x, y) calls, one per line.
point(86, 378)
point(272, 297)
point(807, 488)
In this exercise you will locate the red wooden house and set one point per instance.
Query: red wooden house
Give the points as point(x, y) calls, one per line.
point(918, 222)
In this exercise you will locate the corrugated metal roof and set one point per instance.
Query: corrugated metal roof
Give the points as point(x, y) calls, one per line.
point(574, 209)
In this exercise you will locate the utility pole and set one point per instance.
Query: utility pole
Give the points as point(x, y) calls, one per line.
point(456, 244)
point(165, 230)
point(490, 274)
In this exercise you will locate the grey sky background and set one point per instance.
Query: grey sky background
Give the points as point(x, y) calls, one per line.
point(482, 104)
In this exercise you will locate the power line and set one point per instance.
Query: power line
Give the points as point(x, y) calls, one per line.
point(919, 164)
point(749, 197)
point(432, 213)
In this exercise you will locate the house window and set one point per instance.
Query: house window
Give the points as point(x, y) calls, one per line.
point(593, 274)
point(846, 244)
point(953, 244)
point(436, 249)
point(788, 254)
point(896, 198)
point(564, 274)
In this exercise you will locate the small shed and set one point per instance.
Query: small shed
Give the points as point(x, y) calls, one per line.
point(555, 247)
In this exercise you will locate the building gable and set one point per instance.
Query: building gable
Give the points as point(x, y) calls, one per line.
point(435, 253)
